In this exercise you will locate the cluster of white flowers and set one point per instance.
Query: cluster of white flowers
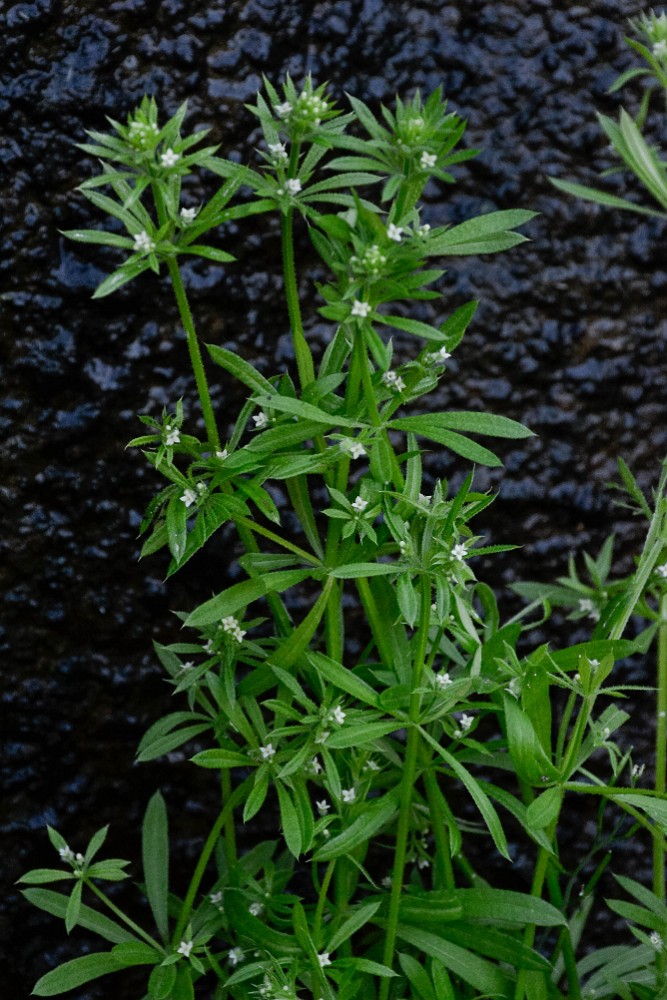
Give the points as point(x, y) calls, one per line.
point(586, 605)
point(67, 854)
point(310, 108)
point(361, 309)
point(278, 152)
point(292, 186)
point(465, 722)
point(232, 627)
point(393, 381)
point(169, 158)
point(353, 448)
point(142, 133)
point(143, 243)
point(371, 262)
point(172, 435)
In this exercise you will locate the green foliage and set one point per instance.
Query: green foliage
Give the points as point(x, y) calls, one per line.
point(383, 749)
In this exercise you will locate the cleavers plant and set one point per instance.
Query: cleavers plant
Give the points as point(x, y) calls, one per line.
point(395, 730)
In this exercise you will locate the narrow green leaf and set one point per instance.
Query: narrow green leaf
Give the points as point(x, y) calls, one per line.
point(338, 675)
point(155, 853)
point(376, 815)
point(55, 903)
point(505, 906)
point(425, 427)
point(136, 953)
point(239, 368)
point(75, 973)
point(209, 253)
point(241, 594)
point(161, 982)
point(296, 407)
point(352, 924)
point(351, 735)
point(482, 975)
point(39, 875)
point(99, 237)
point(289, 821)
point(602, 197)
point(73, 906)
point(170, 741)
point(353, 571)
point(221, 758)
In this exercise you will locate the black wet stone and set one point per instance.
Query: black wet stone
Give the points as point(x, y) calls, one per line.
point(569, 337)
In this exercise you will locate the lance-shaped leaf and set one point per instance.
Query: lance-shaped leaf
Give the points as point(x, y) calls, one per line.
point(76, 973)
point(242, 594)
point(375, 816)
point(155, 851)
point(485, 234)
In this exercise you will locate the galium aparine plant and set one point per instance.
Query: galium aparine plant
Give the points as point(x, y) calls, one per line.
point(393, 753)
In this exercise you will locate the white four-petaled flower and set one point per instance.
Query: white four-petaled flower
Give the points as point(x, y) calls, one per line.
point(443, 679)
point(143, 243)
point(360, 505)
point(354, 448)
point(185, 947)
point(172, 435)
point(169, 158)
point(222, 455)
point(394, 233)
point(322, 807)
point(337, 715)
point(466, 721)
point(261, 420)
point(236, 955)
point(393, 381)
point(267, 752)
point(349, 795)
point(324, 959)
point(189, 497)
point(439, 357)
point(660, 49)
point(283, 110)
point(188, 215)
point(256, 909)
point(278, 151)
point(293, 185)
point(361, 309)
point(427, 160)
point(459, 552)
point(662, 571)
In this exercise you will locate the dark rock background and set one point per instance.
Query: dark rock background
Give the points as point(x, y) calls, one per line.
point(570, 338)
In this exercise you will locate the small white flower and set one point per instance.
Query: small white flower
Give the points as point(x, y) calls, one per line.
point(371, 765)
point(209, 646)
point(656, 940)
point(443, 680)
point(594, 663)
point(239, 634)
point(606, 733)
point(638, 770)
point(662, 570)
point(216, 898)
point(66, 853)
point(425, 499)
point(278, 151)
point(323, 736)
point(143, 243)
point(222, 455)
point(585, 604)
point(514, 687)
point(360, 505)
point(172, 435)
point(235, 956)
point(293, 185)
point(354, 448)
point(267, 752)
point(337, 715)
point(261, 420)
point(229, 623)
point(169, 158)
point(324, 959)
point(256, 909)
point(78, 858)
point(440, 356)
point(283, 110)
point(660, 49)
point(185, 947)
point(349, 795)
point(322, 807)
point(393, 381)
point(189, 497)
point(361, 309)
point(201, 487)
point(394, 233)
point(187, 666)
point(315, 766)
point(466, 721)
point(424, 230)
point(423, 863)
point(427, 160)
point(386, 882)
point(459, 552)
point(188, 215)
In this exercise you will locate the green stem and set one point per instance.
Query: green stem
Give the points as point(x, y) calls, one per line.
point(304, 359)
point(539, 876)
point(565, 939)
point(407, 783)
point(195, 355)
point(321, 903)
point(661, 766)
point(229, 828)
point(443, 873)
point(235, 798)
point(121, 916)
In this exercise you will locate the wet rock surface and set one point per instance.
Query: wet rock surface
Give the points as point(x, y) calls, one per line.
point(570, 337)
